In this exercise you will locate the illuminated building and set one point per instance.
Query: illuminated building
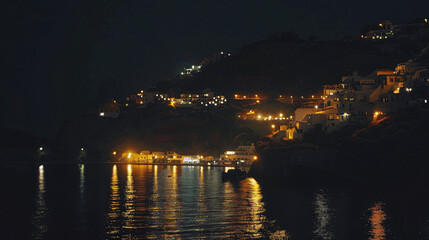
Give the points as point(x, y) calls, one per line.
point(111, 109)
point(241, 155)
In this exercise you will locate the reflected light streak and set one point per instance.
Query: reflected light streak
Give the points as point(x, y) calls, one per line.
point(171, 209)
point(129, 199)
point(112, 217)
point(323, 222)
point(39, 219)
point(378, 216)
point(82, 180)
point(256, 205)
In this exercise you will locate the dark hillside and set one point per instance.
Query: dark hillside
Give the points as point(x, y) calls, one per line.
point(298, 67)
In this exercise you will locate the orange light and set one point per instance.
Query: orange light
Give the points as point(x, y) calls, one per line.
point(273, 126)
point(114, 152)
point(255, 157)
point(172, 104)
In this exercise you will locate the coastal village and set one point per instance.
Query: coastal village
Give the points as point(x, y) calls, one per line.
point(355, 98)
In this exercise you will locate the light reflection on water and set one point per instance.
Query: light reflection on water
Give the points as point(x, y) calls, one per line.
point(181, 202)
point(39, 219)
point(324, 216)
point(128, 214)
point(377, 222)
point(114, 211)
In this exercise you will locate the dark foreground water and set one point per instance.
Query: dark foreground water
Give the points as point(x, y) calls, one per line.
point(102, 201)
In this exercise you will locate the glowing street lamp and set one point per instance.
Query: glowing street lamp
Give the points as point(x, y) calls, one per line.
point(255, 157)
point(273, 126)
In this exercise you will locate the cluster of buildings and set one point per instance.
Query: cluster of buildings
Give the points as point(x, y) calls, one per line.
point(205, 98)
point(188, 72)
point(362, 98)
point(254, 115)
point(385, 30)
point(242, 155)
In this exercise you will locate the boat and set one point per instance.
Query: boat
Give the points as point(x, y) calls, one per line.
point(234, 175)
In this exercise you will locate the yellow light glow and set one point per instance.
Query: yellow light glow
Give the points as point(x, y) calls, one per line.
point(174, 156)
point(255, 157)
point(172, 103)
point(273, 126)
point(381, 25)
point(129, 155)
point(257, 101)
point(256, 95)
point(281, 114)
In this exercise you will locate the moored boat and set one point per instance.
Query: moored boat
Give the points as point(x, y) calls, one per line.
point(234, 175)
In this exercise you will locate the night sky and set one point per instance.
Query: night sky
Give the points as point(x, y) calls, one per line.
point(63, 58)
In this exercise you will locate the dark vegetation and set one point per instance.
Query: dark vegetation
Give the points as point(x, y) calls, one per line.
point(392, 149)
point(156, 128)
point(287, 64)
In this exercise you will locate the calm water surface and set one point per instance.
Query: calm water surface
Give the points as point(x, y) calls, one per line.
point(103, 201)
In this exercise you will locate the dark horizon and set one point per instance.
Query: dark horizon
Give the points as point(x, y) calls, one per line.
point(63, 59)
